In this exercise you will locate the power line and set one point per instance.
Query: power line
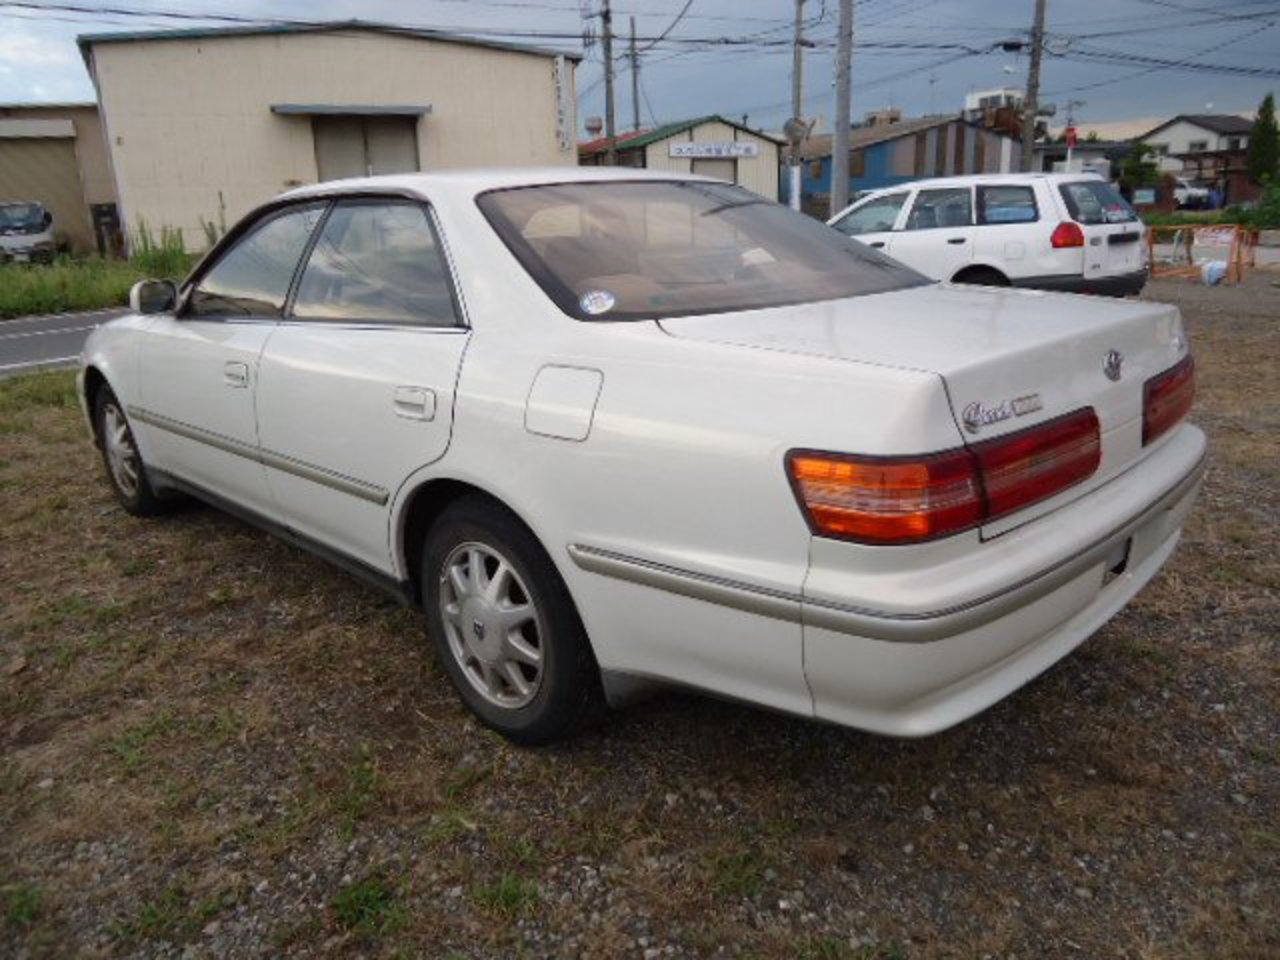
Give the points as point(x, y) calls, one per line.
point(671, 26)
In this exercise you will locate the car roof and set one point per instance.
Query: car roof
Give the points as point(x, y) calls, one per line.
point(988, 179)
point(475, 181)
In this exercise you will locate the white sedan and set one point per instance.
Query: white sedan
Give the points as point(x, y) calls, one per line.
point(613, 430)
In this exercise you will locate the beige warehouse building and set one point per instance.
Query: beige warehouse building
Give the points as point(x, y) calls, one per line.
point(54, 154)
point(205, 124)
point(710, 146)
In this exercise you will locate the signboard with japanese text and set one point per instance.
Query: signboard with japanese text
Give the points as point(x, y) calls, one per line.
point(728, 149)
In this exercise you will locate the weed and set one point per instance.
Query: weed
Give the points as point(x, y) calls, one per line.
point(130, 747)
point(21, 905)
point(368, 907)
point(509, 895)
point(359, 793)
point(739, 874)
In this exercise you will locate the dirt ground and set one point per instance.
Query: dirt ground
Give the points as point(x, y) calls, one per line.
point(214, 745)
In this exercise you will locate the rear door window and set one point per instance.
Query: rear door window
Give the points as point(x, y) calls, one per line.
point(951, 207)
point(875, 216)
point(377, 262)
point(1007, 204)
point(1093, 202)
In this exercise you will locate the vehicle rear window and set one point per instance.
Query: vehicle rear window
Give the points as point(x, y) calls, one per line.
point(1007, 204)
point(628, 250)
point(1094, 201)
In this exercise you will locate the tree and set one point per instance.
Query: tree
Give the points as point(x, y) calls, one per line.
point(1264, 143)
point(1138, 169)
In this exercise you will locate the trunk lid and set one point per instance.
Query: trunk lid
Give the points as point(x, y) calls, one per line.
point(1009, 358)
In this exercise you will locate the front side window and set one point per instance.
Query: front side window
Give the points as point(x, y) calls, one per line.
point(1007, 205)
point(377, 262)
point(647, 250)
point(875, 216)
point(1095, 201)
point(252, 278)
point(941, 208)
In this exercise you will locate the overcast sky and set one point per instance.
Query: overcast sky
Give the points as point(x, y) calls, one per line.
point(39, 60)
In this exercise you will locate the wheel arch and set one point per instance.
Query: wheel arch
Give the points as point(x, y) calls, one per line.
point(94, 380)
point(970, 270)
point(426, 502)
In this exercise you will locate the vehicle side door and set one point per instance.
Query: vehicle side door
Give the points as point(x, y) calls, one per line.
point(198, 367)
point(357, 384)
point(873, 220)
point(1011, 236)
point(937, 235)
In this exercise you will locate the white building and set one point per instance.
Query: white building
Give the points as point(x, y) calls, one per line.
point(1196, 133)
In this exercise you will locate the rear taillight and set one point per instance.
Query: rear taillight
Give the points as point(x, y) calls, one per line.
point(1021, 468)
point(882, 500)
point(887, 499)
point(1167, 397)
point(1066, 234)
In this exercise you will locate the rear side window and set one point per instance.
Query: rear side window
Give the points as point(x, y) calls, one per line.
point(377, 262)
point(1007, 204)
point(1094, 201)
point(875, 216)
point(252, 278)
point(952, 207)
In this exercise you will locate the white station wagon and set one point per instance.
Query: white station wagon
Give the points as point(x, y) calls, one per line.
point(614, 430)
point(1048, 231)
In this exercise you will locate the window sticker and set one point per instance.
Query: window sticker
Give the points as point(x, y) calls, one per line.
point(596, 302)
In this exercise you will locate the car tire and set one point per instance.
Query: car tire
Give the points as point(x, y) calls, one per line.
point(125, 469)
point(504, 626)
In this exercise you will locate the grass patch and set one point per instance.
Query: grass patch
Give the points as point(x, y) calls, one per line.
point(368, 908)
point(20, 903)
point(508, 896)
point(356, 797)
point(51, 390)
point(739, 874)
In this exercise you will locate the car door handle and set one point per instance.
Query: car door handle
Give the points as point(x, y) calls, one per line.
point(235, 374)
point(876, 243)
point(415, 403)
point(956, 240)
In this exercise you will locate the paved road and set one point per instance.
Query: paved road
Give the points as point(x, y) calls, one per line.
point(33, 343)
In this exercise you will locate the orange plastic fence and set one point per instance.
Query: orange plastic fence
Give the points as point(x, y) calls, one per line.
point(1240, 241)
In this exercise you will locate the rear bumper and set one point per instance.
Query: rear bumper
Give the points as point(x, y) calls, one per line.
point(922, 672)
point(1120, 285)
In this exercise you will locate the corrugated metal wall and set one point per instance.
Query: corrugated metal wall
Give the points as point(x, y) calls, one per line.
point(45, 169)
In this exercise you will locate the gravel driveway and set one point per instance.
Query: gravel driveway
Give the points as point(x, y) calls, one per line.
point(214, 745)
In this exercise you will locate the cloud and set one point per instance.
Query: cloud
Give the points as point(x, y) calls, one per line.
point(26, 50)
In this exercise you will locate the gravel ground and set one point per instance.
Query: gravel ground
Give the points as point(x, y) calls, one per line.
point(216, 746)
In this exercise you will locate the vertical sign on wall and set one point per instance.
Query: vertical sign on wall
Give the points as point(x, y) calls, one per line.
point(564, 104)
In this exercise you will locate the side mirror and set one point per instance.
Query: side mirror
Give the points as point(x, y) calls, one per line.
point(48, 219)
point(153, 296)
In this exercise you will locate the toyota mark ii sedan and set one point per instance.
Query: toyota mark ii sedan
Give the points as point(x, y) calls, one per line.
point(613, 430)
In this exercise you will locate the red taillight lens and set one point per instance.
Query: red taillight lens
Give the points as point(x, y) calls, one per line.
point(1167, 397)
point(1022, 468)
point(883, 500)
point(1066, 235)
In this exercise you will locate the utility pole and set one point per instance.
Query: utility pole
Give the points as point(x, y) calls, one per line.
point(610, 130)
point(1030, 102)
point(840, 136)
point(635, 79)
point(796, 126)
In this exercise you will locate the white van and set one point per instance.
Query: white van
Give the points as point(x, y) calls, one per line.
point(1053, 231)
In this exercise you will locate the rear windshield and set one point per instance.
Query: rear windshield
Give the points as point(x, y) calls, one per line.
point(628, 250)
point(1093, 201)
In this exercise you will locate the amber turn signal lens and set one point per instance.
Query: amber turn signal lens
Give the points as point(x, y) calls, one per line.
point(887, 499)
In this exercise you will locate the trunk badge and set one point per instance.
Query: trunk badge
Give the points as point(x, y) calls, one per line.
point(1113, 364)
point(978, 415)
